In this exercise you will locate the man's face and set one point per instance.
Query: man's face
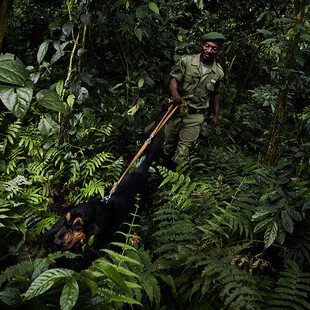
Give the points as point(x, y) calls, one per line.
point(209, 50)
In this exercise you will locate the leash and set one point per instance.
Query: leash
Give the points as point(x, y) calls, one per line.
point(171, 109)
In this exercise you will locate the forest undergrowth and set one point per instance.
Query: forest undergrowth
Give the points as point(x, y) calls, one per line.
point(229, 229)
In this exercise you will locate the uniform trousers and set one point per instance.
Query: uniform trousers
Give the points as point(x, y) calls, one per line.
point(180, 134)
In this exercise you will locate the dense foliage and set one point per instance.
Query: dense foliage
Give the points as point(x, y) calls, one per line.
point(79, 81)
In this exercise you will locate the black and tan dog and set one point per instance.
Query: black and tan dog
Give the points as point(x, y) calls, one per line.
point(100, 218)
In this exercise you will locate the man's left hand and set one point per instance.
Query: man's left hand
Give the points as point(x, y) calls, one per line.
point(214, 120)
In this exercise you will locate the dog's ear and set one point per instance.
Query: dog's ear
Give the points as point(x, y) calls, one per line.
point(78, 213)
point(78, 223)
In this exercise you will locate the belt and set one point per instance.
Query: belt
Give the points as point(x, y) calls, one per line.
point(196, 111)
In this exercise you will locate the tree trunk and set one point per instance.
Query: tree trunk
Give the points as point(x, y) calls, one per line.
point(5, 8)
point(288, 68)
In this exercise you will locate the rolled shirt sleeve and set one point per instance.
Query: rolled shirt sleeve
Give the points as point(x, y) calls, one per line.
point(178, 70)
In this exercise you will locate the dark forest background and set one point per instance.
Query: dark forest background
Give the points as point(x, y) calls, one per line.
point(80, 80)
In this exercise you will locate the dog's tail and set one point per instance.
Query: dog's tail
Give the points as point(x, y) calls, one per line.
point(152, 153)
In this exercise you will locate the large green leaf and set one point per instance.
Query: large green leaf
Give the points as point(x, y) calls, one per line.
point(111, 272)
point(265, 31)
point(69, 295)
point(153, 6)
point(17, 99)
point(47, 125)
point(287, 222)
point(262, 224)
point(268, 41)
point(42, 51)
point(45, 280)
point(59, 87)
point(12, 70)
point(141, 11)
point(50, 100)
point(271, 234)
point(138, 32)
point(117, 4)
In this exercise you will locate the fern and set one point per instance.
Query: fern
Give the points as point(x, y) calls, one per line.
point(21, 194)
point(115, 169)
point(45, 224)
point(130, 272)
point(41, 170)
point(119, 299)
point(75, 170)
point(181, 186)
point(116, 281)
point(215, 281)
point(12, 132)
point(14, 186)
point(14, 156)
point(89, 167)
point(292, 289)
point(239, 218)
point(239, 289)
point(32, 141)
point(172, 228)
point(91, 189)
point(105, 130)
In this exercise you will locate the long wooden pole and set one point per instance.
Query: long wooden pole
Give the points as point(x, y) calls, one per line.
point(162, 122)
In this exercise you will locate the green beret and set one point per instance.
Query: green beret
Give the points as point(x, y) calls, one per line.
point(214, 37)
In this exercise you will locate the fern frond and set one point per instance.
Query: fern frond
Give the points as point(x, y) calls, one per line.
point(147, 274)
point(105, 130)
point(13, 130)
point(45, 224)
point(114, 297)
point(15, 155)
point(119, 258)
point(75, 169)
point(239, 215)
point(292, 289)
point(181, 186)
point(172, 228)
point(122, 281)
point(91, 189)
point(97, 162)
point(115, 169)
point(32, 141)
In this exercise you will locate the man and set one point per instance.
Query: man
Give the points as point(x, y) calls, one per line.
point(194, 82)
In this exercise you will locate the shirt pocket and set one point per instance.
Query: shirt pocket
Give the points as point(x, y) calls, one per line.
point(190, 82)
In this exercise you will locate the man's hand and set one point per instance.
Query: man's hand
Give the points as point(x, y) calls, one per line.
point(214, 120)
point(215, 105)
point(177, 100)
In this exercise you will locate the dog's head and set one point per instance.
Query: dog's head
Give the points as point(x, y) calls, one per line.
point(72, 230)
